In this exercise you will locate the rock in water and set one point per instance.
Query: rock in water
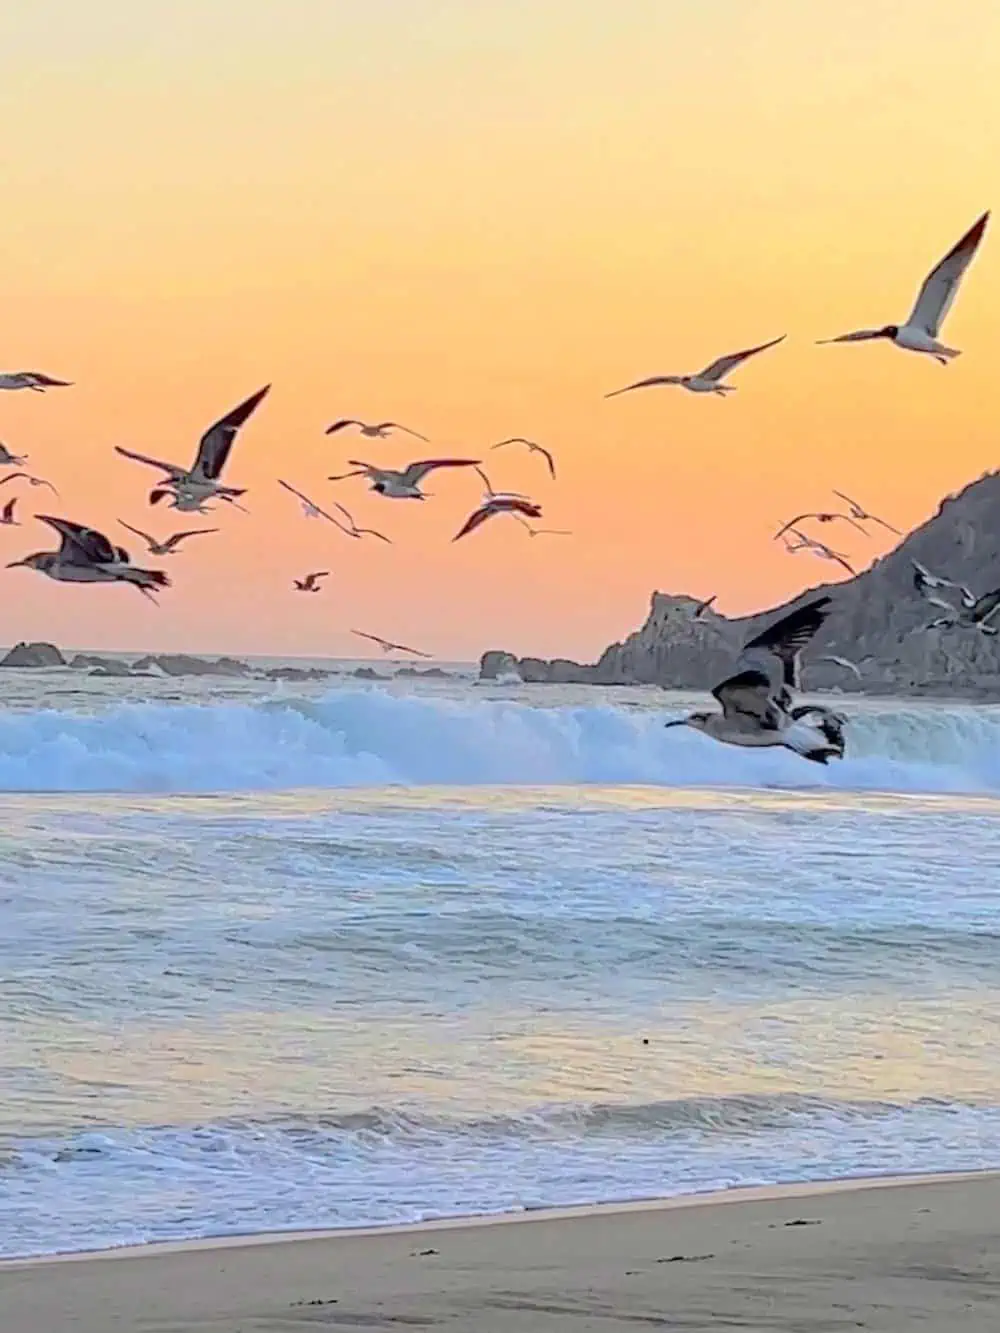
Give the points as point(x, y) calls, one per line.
point(34, 655)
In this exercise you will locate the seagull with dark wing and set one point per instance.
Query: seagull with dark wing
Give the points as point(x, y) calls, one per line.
point(404, 485)
point(377, 431)
point(934, 300)
point(863, 515)
point(388, 646)
point(7, 517)
point(312, 510)
point(820, 518)
point(32, 481)
point(7, 459)
point(497, 504)
point(31, 379)
point(532, 448)
point(87, 556)
point(974, 613)
point(311, 581)
point(708, 380)
point(805, 543)
point(170, 545)
point(189, 488)
point(756, 699)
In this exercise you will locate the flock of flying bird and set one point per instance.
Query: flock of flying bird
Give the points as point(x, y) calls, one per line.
point(756, 701)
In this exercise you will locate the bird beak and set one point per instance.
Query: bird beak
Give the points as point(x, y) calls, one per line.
point(15, 564)
point(678, 722)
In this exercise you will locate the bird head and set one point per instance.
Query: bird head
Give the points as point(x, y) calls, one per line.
point(889, 331)
point(379, 487)
point(696, 720)
point(41, 560)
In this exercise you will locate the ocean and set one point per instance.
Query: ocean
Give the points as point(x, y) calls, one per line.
point(288, 956)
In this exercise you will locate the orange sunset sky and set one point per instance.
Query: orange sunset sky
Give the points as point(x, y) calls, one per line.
point(477, 217)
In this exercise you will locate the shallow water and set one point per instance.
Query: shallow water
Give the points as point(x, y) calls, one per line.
point(281, 957)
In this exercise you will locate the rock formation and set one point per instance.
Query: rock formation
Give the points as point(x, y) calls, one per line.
point(877, 621)
point(34, 655)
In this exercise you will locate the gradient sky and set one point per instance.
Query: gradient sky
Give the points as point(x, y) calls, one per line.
point(477, 217)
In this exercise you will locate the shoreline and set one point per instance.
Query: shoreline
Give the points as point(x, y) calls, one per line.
point(735, 1196)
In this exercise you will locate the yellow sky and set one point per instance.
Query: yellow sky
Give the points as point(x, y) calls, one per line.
point(478, 218)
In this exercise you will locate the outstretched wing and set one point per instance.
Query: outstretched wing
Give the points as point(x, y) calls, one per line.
point(720, 368)
point(395, 425)
point(645, 384)
point(415, 472)
point(171, 469)
point(81, 545)
point(37, 377)
point(746, 697)
point(792, 522)
point(987, 606)
point(215, 444)
point(786, 638)
point(475, 520)
point(138, 531)
point(940, 288)
point(342, 424)
point(351, 532)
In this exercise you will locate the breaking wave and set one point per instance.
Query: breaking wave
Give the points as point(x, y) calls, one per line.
point(360, 737)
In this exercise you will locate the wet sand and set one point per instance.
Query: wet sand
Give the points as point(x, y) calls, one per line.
point(886, 1255)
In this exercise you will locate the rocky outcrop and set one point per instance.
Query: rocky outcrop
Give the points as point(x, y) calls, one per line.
point(89, 661)
point(877, 621)
point(180, 664)
point(34, 655)
point(297, 673)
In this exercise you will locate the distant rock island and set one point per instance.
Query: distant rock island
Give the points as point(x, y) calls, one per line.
point(877, 621)
point(39, 655)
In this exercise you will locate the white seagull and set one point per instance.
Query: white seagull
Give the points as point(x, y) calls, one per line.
point(532, 448)
point(7, 459)
point(820, 518)
point(31, 379)
point(171, 544)
point(974, 613)
point(388, 646)
point(934, 300)
point(311, 581)
point(401, 485)
point(860, 512)
point(32, 481)
point(924, 582)
point(87, 556)
point(497, 504)
point(824, 552)
point(190, 487)
point(844, 662)
point(377, 431)
point(757, 702)
point(7, 517)
point(708, 380)
point(312, 510)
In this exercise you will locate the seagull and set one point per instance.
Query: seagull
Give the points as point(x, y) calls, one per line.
point(822, 550)
point(192, 487)
point(974, 613)
point(756, 700)
point(532, 448)
point(87, 556)
point(923, 324)
point(171, 544)
point(821, 518)
point(7, 517)
point(497, 504)
point(7, 459)
point(32, 481)
point(708, 380)
point(312, 510)
point(702, 607)
point(311, 581)
point(491, 494)
point(841, 662)
point(388, 646)
point(404, 485)
point(374, 432)
point(924, 580)
point(859, 512)
point(31, 379)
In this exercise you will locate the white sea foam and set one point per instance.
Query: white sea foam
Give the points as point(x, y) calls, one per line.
point(362, 737)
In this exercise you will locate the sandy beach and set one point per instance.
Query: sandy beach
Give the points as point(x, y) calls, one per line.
point(872, 1255)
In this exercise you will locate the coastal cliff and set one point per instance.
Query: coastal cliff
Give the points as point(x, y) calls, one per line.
point(877, 621)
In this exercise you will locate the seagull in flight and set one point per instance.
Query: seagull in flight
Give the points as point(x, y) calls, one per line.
point(191, 487)
point(756, 699)
point(859, 512)
point(7, 459)
point(311, 581)
point(7, 517)
point(821, 518)
point(388, 646)
point(87, 556)
point(925, 582)
point(312, 510)
point(844, 662)
point(497, 504)
point(405, 484)
point(32, 481)
point(171, 544)
point(974, 613)
point(31, 379)
point(532, 448)
point(934, 300)
point(708, 380)
point(378, 431)
point(824, 552)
